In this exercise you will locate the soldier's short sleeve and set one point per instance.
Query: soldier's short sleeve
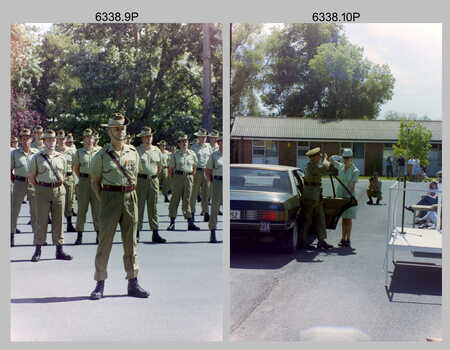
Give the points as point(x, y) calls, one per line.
point(195, 158)
point(210, 162)
point(172, 160)
point(33, 165)
point(76, 159)
point(97, 164)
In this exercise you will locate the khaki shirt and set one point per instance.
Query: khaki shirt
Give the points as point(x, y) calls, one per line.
point(68, 153)
point(104, 167)
point(165, 156)
point(214, 147)
point(202, 151)
point(20, 161)
point(183, 161)
point(313, 174)
point(215, 162)
point(41, 169)
point(83, 158)
point(35, 145)
point(149, 160)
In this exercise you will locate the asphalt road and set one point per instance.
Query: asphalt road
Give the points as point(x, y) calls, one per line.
point(339, 294)
point(49, 299)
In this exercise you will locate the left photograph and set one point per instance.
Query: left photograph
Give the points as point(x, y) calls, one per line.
point(116, 182)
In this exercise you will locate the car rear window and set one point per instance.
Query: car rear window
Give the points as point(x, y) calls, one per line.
point(260, 180)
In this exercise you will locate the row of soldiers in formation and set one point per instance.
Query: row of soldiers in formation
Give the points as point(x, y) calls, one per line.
point(117, 180)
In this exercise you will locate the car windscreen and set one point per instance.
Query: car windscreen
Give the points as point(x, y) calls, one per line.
point(248, 179)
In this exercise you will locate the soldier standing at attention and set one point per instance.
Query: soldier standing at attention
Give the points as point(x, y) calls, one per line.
point(312, 204)
point(37, 138)
point(214, 174)
point(20, 164)
point(182, 166)
point(113, 177)
point(69, 181)
point(82, 167)
point(48, 169)
point(164, 173)
point(148, 183)
point(202, 151)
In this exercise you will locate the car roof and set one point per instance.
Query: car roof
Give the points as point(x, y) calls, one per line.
point(265, 167)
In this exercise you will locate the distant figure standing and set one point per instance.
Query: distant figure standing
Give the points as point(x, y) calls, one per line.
point(389, 172)
point(401, 167)
point(374, 189)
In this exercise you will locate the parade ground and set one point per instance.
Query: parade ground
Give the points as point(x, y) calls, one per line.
point(50, 298)
point(337, 294)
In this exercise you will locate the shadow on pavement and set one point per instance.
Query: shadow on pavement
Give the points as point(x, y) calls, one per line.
point(29, 260)
point(177, 242)
point(415, 279)
point(59, 299)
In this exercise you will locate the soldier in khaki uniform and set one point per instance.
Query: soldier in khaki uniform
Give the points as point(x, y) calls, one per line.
point(182, 166)
point(37, 138)
point(48, 169)
point(82, 167)
point(213, 138)
point(164, 173)
point(20, 164)
point(96, 139)
point(69, 181)
point(14, 143)
point(70, 142)
point(215, 174)
point(201, 186)
point(148, 183)
point(312, 205)
point(114, 173)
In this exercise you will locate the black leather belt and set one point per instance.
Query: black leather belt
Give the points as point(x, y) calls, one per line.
point(51, 184)
point(178, 172)
point(20, 178)
point(69, 173)
point(317, 184)
point(110, 188)
point(218, 177)
point(145, 176)
point(84, 175)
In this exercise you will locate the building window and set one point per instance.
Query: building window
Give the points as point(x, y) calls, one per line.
point(271, 148)
point(265, 152)
point(302, 148)
point(258, 148)
point(358, 150)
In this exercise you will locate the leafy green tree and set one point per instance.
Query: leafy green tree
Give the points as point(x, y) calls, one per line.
point(413, 141)
point(391, 115)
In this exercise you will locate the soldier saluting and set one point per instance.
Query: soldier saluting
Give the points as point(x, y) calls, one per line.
point(312, 204)
point(113, 176)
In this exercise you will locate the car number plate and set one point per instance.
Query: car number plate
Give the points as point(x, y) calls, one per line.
point(264, 226)
point(235, 214)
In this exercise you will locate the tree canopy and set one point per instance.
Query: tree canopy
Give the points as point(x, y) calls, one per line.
point(413, 141)
point(308, 70)
point(150, 72)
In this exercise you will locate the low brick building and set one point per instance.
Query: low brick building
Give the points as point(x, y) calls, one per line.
point(284, 141)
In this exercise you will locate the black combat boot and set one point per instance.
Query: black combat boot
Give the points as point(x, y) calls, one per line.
point(70, 227)
point(60, 255)
point(97, 293)
point(79, 239)
point(370, 201)
point(96, 237)
point(73, 213)
point(166, 199)
point(137, 236)
point(37, 254)
point(323, 244)
point(206, 217)
point(192, 226)
point(12, 239)
point(378, 201)
point(172, 225)
point(156, 238)
point(135, 290)
point(212, 238)
point(305, 246)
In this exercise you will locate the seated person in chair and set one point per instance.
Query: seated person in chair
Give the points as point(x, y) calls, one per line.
point(374, 189)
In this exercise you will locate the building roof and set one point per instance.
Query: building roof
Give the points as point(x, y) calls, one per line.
point(281, 128)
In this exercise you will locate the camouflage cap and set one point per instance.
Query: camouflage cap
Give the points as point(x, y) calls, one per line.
point(88, 132)
point(214, 133)
point(38, 128)
point(313, 152)
point(162, 143)
point(25, 132)
point(146, 131)
point(201, 132)
point(182, 137)
point(118, 119)
point(48, 134)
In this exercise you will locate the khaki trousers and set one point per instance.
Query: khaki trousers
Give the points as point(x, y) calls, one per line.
point(313, 214)
point(147, 192)
point(69, 185)
point(164, 181)
point(86, 196)
point(117, 208)
point(216, 202)
point(50, 200)
point(181, 189)
point(201, 186)
point(20, 190)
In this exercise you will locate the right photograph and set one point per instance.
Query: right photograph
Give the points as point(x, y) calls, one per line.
point(335, 182)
